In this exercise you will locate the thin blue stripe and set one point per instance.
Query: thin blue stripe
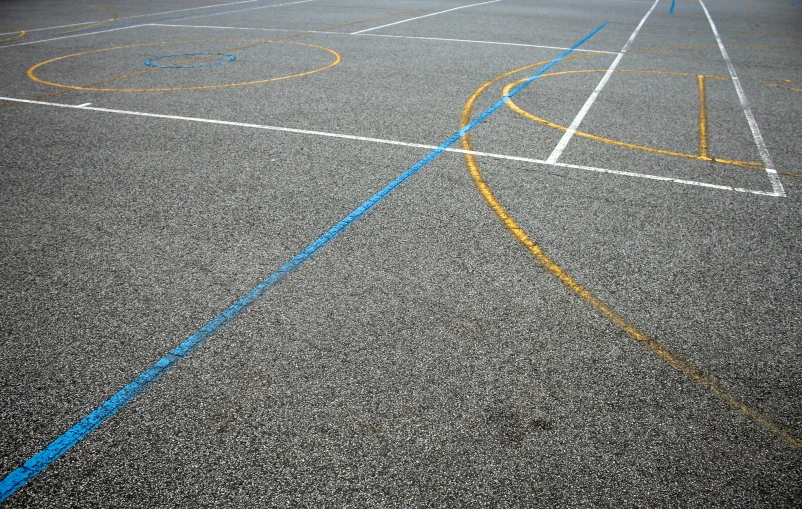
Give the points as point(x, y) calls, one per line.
point(16, 479)
point(671, 11)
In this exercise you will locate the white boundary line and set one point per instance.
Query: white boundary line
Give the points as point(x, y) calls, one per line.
point(146, 24)
point(558, 150)
point(750, 118)
point(380, 35)
point(69, 36)
point(396, 143)
point(140, 15)
point(489, 42)
point(424, 16)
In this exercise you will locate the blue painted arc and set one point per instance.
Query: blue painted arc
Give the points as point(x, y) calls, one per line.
point(37, 463)
point(229, 59)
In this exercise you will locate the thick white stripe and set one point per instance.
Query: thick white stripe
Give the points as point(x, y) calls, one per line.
point(750, 118)
point(558, 150)
point(393, 142)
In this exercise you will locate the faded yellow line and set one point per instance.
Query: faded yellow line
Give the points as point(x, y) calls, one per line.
point(781, 86)
point(511, 104)
point(703, 143)
point(370, 19)
point(113, 17)
point(20, 34)
point(750, 4)
point(653, 346)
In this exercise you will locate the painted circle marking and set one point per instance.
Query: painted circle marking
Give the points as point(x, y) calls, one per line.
point(227, 60)
point(32, 71)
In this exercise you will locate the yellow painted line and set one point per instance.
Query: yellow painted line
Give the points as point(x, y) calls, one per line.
point(781, 86)
point(113, 17)
point(703, 143)
point(32, 71)
point(511, 104)
point(370, 19)
point(17, 36)
point(750, 4)
point(652, 345)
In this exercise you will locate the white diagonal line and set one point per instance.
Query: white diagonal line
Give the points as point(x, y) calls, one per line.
point(750, 118)
point(558, 150)
point(424, 16)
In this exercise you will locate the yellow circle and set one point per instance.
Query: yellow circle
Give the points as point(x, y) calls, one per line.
point(20, 34)
point(34, 77)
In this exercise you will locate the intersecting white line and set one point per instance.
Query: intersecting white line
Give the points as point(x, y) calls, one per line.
point(472, 41)
point(750, 118)
point(569, 133)
point(396, 143)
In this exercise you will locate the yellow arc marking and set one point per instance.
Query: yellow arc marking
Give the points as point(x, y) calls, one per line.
point(652, 345)
point(703, 144)
point(32, 71)
point(17, 36)
point(113, 17)
point(511, 104)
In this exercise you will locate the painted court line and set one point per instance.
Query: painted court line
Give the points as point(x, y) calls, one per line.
point(750, 118)
point(38, 462)
point(142, 15)
point(487, 42)
point(396, 143)
point(134, 25)
point(69, 36)
point(561, 48)
point(558, 150)
point(424, 16)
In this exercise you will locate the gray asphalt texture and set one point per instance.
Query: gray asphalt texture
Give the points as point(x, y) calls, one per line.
point(424, 357)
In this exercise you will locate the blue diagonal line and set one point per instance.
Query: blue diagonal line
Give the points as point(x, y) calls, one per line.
point(16, 479)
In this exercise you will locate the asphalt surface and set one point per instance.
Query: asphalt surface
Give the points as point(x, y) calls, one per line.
point(425, 356)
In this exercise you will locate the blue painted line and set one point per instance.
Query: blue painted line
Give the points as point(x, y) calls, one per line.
point(38, 462)
point(150, 62)
point(671, 11)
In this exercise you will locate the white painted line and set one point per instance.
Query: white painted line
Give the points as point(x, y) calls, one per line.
point(396, 143)
point(84, 105)
point(382, 35)
point(488, 42)
point(69, 36)
point(558, 150)
point(424, 16)
point(237, 28)
point(750, 118)
point(142, 15)
point(143, 24)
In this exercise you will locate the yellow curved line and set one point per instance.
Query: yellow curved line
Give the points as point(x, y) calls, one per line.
point(521, 111)
point(20, 34)
point(652, 345)
point(32, 71)
point(113, 17)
